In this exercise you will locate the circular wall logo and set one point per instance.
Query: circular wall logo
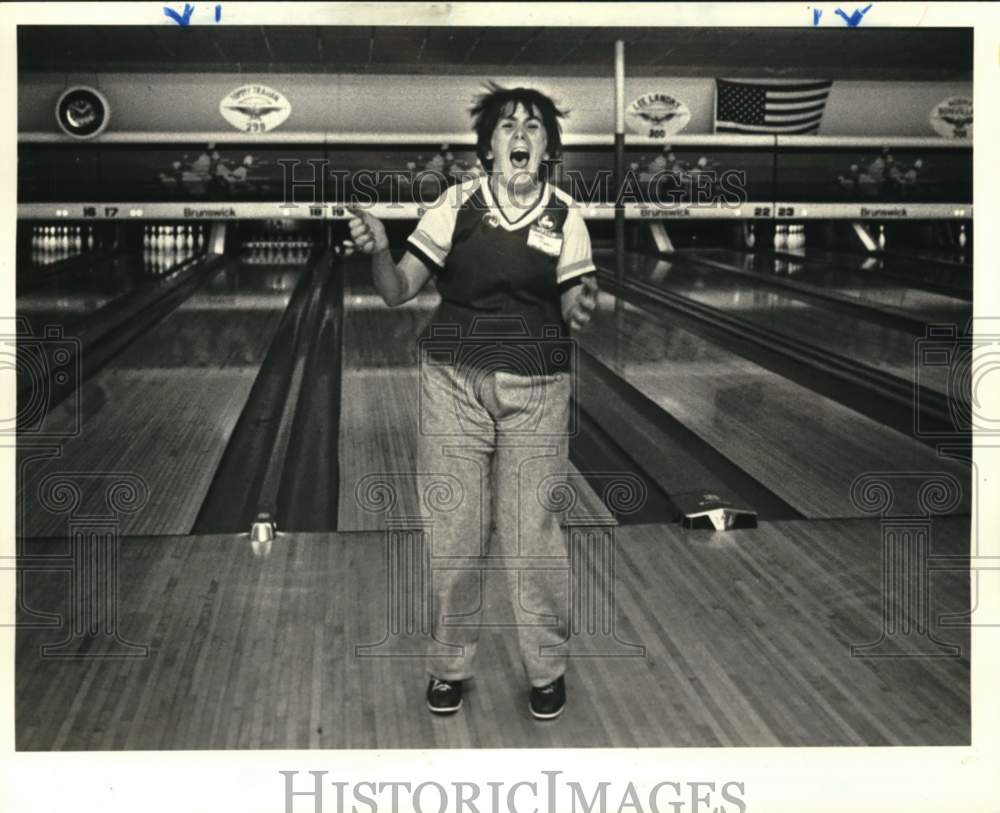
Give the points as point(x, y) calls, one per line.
point(255, 108)
point(952, 118)
point(82, 112)
point(657, 115)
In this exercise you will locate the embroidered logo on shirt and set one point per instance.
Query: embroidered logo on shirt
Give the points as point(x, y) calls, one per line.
point(491, 220)
point(546, 223)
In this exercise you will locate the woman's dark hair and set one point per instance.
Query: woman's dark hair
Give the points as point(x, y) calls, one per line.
point(498, 102)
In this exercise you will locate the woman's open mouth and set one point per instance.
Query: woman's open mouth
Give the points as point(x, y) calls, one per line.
point(519, 157)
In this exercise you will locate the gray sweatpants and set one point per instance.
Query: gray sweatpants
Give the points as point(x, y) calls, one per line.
point(505, 438)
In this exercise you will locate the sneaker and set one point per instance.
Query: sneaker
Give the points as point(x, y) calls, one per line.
point(444, 696)
point(547, 702)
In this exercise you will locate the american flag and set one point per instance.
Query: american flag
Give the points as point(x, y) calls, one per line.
point(781, 107)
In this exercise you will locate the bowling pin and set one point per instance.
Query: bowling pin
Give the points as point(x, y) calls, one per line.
point(751, 237)
point(780, 236)
point(90, 238)
point(881, 236)
point(962, 238)
point(169, 242)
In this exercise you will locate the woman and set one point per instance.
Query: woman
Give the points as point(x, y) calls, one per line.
point(511, 259)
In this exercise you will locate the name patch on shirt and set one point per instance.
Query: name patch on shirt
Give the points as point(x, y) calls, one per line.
point(545, 241)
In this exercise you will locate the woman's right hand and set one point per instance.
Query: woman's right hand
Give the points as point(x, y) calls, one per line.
point(367, 233)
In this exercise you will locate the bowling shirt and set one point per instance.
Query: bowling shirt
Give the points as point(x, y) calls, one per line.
point(500, 280)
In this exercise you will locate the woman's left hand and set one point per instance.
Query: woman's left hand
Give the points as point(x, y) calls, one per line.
point(579, 303)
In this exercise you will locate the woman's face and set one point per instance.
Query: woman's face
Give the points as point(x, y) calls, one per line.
point(518, 145)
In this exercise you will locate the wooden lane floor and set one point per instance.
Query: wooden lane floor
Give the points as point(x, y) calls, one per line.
point(65, 299)
point(379, 392)
point(932, 271)
point(747, 641)
point(797, 316)
point(961, 260)
point(379, 397)
point(804, 447)
point(863, 284)
point(164, 409)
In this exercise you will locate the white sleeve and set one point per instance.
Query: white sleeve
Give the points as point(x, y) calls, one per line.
point(431, 240)
point(575, 259)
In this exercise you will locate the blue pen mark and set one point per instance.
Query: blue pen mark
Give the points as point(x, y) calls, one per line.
point(855, 19)
point(218, 12)
point(817, 13)
point(182, 18)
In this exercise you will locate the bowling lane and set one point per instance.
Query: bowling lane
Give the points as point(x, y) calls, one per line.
point(794, 315)
point(379, 390)
point(35, 269)
point(65, 299)
point(164, 409)
point(36, 261)
point(804, 447)
point(961, 259)
point(926, 272)
point(379, 399)
point(862, 283)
